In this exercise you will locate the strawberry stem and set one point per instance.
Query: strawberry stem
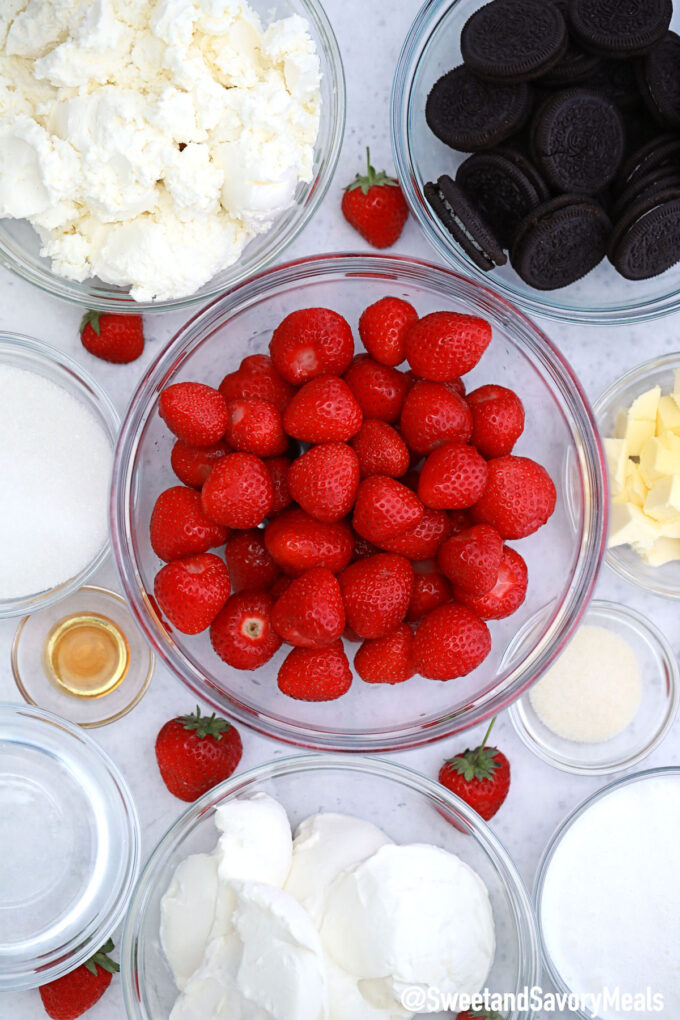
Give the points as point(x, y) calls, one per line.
point(101, 959)
point(479, 763)
point(205, 725)
point(485, 739)
point(372, 178)
point(91, 319)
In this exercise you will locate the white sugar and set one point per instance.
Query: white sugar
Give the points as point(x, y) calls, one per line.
point(55, 471)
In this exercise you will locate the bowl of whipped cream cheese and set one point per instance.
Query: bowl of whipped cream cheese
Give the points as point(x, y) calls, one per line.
point(154, 154)
point(314, 887)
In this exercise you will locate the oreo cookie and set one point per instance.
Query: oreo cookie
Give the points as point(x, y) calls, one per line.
point(470, 114)
point(645, 187)
point(646, 241)
point(620, 28)
point(575, 66)
point(577, 141)
point(501, 189)
point(661, 153)
point(617, 80)
point(659, 75)
point(465, 224)
point(514, 40)
point(560, 242)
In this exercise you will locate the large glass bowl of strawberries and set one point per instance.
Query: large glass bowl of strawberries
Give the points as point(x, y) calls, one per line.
point(359, 503)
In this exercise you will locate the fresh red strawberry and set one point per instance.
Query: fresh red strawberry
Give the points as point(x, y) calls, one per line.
point(315, 674)
point(311, 342)
point(518, 499)
point(195, 413)
point(379, 390)
point(445, 345)
point(433, 415)
point(192, 464)
point(115, 338)
point(250, 566)
point(324, 410)
point(380, 449)
point(455, 386)
point(310, 613)
point(191, 591)
point(362, 548)
point(423, 541)
point(278, 468)
point(256, 378)
point(382, 327)
point(73, 994)
point(385, 508)
point(376, 592)
point(375, 206)
point(324, 480)
point(508, 593)
point(179, 527)
point(471, 560)
point(196, 752)
point(238, 492)
point(480, 777)
point(498, 420)
point(255, 426)
point(386, 660)
point(242, 633)
point(298, 542)
point(430, 589)
point(453, 477)
point(450, 642)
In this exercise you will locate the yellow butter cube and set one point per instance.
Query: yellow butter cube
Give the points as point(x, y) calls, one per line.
point(660, 456)
point(617, 462)
point(636, 432)
point(664, 550)
point(663, 499)
point(636, 490)
point(667, 416)
point(671, 528)
point(646, 406)
point(628, 525)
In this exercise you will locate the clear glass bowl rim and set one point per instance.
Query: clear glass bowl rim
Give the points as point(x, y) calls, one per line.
point(99, 298)
point(66, 959)
point(391, 267)
point(426, 21)
point(528, 942)
point(542, 751)
point(59, 364)
point(548, 853)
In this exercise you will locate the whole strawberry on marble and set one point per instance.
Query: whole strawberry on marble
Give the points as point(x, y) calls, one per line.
point(196, 752)
point(480, 777)
point(71, 995)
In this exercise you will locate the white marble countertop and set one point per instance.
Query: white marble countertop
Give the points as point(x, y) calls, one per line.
point(539, 796)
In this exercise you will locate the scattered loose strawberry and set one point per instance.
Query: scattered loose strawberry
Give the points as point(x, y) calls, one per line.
point(310, 613)
point(376, 592)
point(375, 206)
point(179, 527)
point(386, 660)
point(379, 390)
point(498, 420)
point(382, 328)
point(191, 591)
point(315, 674)
point(242, 633)
point(423, 541)
point(507, 595)
point(452, 478)
point(480, 777)
point(380, 449)
point(196, 752)
point(256, 378)
point(192, 464)
point(255, 426)
point(238, 492)
point(433, 415)
point(111, 337)
point(250, 566)
point(324, 480)
point(195, 413)
point(385, 508)
point(519, 497)
point(324, 410)
point(450, 642)
point(311, 342)
point(471, 560)
point(430, 590)
point(298, 542)
point(443, 346)
point(278, 468)
point(73, 994)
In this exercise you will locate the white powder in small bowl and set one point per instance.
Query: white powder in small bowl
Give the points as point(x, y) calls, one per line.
point(55, 467)
point(593, 691)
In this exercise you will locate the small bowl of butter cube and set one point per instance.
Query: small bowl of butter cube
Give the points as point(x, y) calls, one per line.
point(639, 420)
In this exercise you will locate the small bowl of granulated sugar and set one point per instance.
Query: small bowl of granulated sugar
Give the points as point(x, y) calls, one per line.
point(607, 701)
point(57, 434)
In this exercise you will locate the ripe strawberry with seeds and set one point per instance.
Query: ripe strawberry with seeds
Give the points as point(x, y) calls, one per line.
point(382, 328)
point(471, 560)
point(238, 492)
point(196, 752)
point(385, 508)
point(480, 777)
point(298, 542)
point(376, 592)
point(250, 566)
point(375, 206)
point(71, 995)
point(498, 420)
point(179, 527)
point(311, 342)
point(453, 477)
point(278, 468)
point(379, 390)
point(422, 541)
point(324, 480)
point(433, 415)
point(191, 591)
point(255, 426)
point(380, 450)
point(519, 497)
point(315, 674)
point(430, 590)
point(386, 660)
point(111, 337)
point(256, 378)
point(242, 633)
point(508, 593)
point(445, 345)
point(310, 613)
point(324, 410)
point(194, 412)
point(192, 464)
point(450, 642)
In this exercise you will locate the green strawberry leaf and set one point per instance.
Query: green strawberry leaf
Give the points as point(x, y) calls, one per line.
point(101, 959)
point(479, 763)
point(91, 319)
point(205, 725)
point(371, 178)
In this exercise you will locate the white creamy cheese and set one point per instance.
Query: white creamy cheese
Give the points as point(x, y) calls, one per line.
point(149, 140)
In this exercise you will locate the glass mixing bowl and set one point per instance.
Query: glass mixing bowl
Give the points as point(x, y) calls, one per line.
point(563, 557)
point(20, 245)
point(409, 807)
point(431, 48)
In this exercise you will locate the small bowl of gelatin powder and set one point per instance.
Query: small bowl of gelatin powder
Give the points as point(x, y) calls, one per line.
point(608, 900)
point(56, 455)
point(607, 701)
